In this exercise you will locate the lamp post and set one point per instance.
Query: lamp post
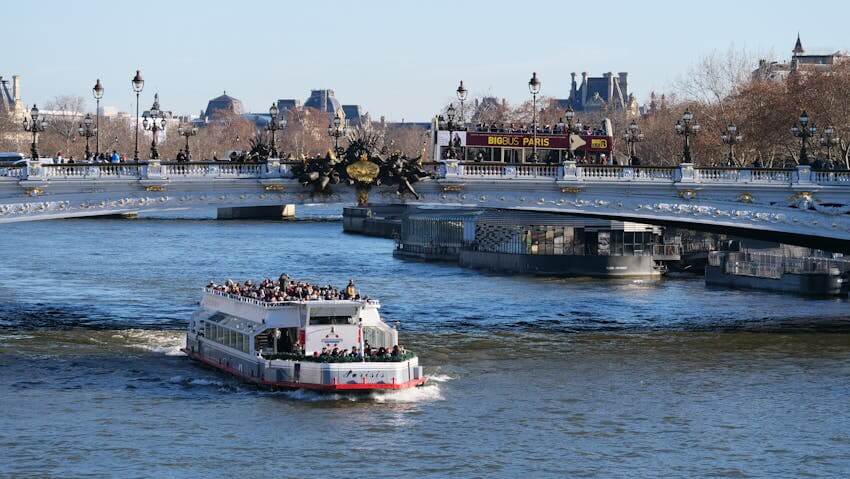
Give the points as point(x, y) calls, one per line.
point(85, 130)
point(36, 123)
point(633, 135)
point(138, 84)
point(534, 89)
point(187, 131)
point(687, 127)
point(154, 122)
point(569, 115)
point(335, 130)
point(462, 92)
point(97, 91)
point(731, 137)
point(272, 127)
point(450, 123)
point(803, 131)
point(829, 140)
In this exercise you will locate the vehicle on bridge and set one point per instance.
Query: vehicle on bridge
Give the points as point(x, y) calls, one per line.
point(510, 144)
point(285, 345)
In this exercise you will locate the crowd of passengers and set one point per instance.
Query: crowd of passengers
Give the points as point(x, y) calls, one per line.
point(286, 289)
point(556, 129)
point(354, 353)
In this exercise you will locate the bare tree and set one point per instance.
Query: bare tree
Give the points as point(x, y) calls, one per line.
point(62, 125)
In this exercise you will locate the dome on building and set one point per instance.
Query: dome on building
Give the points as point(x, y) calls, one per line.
point(323, 100)
point(223, 105)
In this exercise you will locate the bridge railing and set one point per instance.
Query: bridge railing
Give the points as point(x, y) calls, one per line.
point(217, 170)
point(743, 175)
point(509, 170)
point(119, 170)
point(449, 169)
point(570, 171)
point(13, 171)
point(831, 177)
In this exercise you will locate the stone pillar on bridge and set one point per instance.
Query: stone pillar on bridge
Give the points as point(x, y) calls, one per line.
point(804, 174)
point(568, 171)
point(450, 168)
point(686, 173)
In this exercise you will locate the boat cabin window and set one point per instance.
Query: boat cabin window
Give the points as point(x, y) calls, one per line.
point(226, 337)
point(331, 320)
point(377, 337)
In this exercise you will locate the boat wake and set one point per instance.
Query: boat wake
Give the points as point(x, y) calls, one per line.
point(169, 343)
point(184, 381)
point(440, 378)
point(426, 393)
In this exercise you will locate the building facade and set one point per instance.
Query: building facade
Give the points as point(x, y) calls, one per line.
point(223, 105)
point(608, 92)
point(802, 61)
point(12, 112)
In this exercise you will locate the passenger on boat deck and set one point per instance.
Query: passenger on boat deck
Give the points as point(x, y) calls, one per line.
point(285, 289)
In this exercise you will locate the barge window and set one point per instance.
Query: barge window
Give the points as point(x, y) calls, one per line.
point(329, 320)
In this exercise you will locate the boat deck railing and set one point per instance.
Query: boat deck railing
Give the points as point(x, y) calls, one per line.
point(408, 355)
point(283, 304)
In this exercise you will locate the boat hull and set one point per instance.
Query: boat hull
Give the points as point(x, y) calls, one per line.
point(265, 375)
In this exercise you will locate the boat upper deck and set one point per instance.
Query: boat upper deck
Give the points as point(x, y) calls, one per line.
point(290, 303)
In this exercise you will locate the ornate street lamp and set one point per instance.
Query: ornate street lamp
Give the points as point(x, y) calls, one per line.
point(534, 89)
point(450, 123)
point(187, 131)
point(35, 124)
point(687, 127)
point(336, 129)
point(576, 127)
point(97, 91)
point(154, 122)
point(275, 124)
point(138, 84)
point(731, 137)
point(829, 140)
point(85, 130)
point(633, 135)
point(462, 92)
point(803, 131)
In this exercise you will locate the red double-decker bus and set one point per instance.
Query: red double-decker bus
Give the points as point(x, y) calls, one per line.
point(502, 144)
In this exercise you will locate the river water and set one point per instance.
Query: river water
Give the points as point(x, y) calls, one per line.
point(539, 377)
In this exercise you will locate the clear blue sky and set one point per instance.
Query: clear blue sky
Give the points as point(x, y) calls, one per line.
point(402, 59)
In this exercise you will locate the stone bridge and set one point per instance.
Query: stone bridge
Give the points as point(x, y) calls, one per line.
point(798, 205)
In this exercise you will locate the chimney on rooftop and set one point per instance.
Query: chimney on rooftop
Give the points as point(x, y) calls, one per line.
point(583, 88)
point(623, 80)
point(16, 87)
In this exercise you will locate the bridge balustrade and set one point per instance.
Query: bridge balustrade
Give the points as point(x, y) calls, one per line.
point(648, 173)
point(602, 172)
point(81, 170)
point(717, 175)
point(832, 177)
point(509, 170)
point(13, 172)
point(443, 170)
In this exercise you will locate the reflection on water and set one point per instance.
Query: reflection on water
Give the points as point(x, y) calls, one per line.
point(542, 377)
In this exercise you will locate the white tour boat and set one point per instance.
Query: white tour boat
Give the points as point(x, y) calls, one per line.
point(289, 344)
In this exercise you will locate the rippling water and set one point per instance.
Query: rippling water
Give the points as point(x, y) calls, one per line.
point(539, 377)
